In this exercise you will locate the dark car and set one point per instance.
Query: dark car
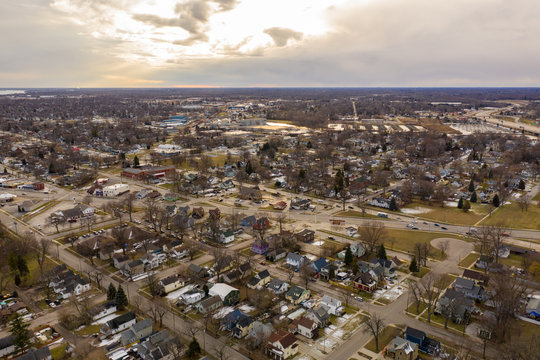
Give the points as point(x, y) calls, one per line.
point(444, 228)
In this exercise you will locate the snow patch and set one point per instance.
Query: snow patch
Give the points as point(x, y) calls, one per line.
point(415, 210)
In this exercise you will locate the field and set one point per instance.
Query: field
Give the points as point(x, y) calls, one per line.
point(511, 216)
point(451, 215)
point(358, 214)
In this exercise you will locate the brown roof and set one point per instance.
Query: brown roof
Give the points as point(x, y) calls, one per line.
point(287, 340)
point(305, 322)
point(471, 274)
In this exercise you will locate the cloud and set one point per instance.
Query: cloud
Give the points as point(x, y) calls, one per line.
point(281, 36)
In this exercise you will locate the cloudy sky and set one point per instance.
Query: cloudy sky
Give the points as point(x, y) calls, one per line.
point(164, 43)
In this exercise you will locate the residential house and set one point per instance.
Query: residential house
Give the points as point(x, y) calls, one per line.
point(468, 288)
point(191, 297)
point(230, 320)
point(152, 261)
point(281, 345)
point(306, 236)
point(276, 255)
point(67, 283)
point(7, 345)
point(232, 276)
point(228, 294)
point(402, 349)
point(171, 283)
point(364, 281)
point(425, 344)
point(198, 213)
point(297, 294)
point(380, 202)
point(320, 315)
point(479, 278)
point(296, 260)
point(319, 264)
point(334, 305)
point(209, 305)
point(248, 221)
point(102, 310)
point(133, 268)
point(388, 266)
point(247, 193)
point(357, 249)
point(197, 271)
point(278, 286)
point(260, 246)
point(227, 184)
point(307, 327)
point(300, 204)
point(243, 327)
point(118, 324)
point(214, 213)
point(454, 305)
point(226, 237)
point(160, 346)
point(43, 353)
point(136, 332)
point(280, 205)
point(119, 261)
point(223, 264)
point(261, 224)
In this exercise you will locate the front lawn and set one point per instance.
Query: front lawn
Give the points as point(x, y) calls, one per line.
point(358, 214)
point(88, 330)
point(469, 260)
point(387, 335)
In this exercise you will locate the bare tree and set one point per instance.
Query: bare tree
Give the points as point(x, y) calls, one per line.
point(281, 218)
point(306, 272)
point(153, 284)
point(444, 245)
point(41, 254)
point(221, 351)
point(375, 325)
point(129, 204)
point(422, 251)
point(508, 292)
point(290, 274)
point(158, 310)
point(372, 234)
point(431, 287)
point(523, 202)
point(416, 291)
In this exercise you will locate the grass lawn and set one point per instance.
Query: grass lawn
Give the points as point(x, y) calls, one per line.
point(59, 352)
point(423, 272)
point(452, 215)
point(358, 214)
point(440, 320)
point(387, 335)
point(511, 260)
point(33, 270)
point(511, 216)
point(88, 330)
point(404, 240)
point(469, 260)
point(412, 308)
point(447, 279)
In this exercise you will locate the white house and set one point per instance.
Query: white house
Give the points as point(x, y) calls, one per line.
point(334, 305)
point(191, 297)
point(226, 237)
point(103, 310)
point(119, 323)
point(295, 260)
point(115, 190)
point(278, 286)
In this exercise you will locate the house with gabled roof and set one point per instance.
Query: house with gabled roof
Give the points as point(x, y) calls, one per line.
point(281, 345)
point(297, 294)
point(278, 286)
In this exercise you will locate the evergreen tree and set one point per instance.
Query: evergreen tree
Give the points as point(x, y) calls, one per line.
point(136, 162)
point(193, 349)
point(471, 186)
point(121, 298)
point(496, 201)
point(381, 254)
point(206, 289)
point(474, 197)
point(413, 267)
point(332, 274)
point(521, 185)
point(466, 206)
point(249, 168)
point(19, 329)
point(348, 256)
point(111, 292)
point(460, 203)
point(393, 205)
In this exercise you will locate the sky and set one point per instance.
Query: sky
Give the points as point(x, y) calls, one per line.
point(269, 43)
